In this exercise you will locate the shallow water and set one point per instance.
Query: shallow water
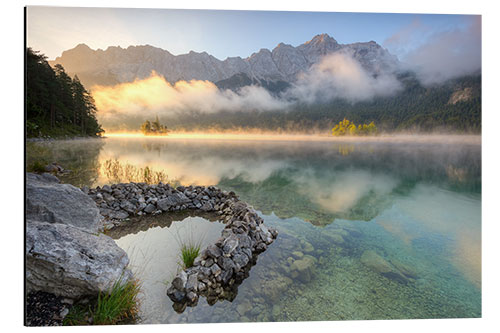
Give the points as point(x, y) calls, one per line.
point(155, 258)
point(386, 229)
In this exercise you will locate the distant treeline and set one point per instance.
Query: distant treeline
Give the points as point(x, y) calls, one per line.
point(57, 105)
point(415, 108)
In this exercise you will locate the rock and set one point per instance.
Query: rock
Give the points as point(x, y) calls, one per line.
point(274, 289)
point(150, 208)
point(202, 287)
point(54, 167)
point(175, 295)
point(297, 254)
point(173, 200)
point(336, 238)
point(216, 270)
point(119, 215)
point(213, 251)
point(304, 268)
point(180, 281)
point(192, 297)
point(226, 275)
point(244, 241)
point(192, 282)
point(375, 262)
point(405, 269)
point(243, 307)
point(209, 262)
point(48, 201)
point(106, 188)
point(44, 178)
point(71, 262)
point(230, 244)
point(64, 313)
point(276, 311)
point(240, 261)
point(128, 207)
point(261, 247)
point(206, 207)
point(307, 247)
point(225, 263)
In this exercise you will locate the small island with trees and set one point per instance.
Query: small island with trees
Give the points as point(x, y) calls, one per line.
point(346, 127)
point(154, 128)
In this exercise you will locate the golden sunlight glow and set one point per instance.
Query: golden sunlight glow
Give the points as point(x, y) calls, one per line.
point(269, 136)
point(151, 96)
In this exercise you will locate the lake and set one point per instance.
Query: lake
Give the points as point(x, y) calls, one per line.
point(384, 228)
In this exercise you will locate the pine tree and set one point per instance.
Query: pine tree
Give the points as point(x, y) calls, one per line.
point(56, 104)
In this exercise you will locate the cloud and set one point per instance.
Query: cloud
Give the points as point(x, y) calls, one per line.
point(444, 55)
point(154, 95)
point(338, 75)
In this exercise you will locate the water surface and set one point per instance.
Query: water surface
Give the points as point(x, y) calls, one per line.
point(415, 203)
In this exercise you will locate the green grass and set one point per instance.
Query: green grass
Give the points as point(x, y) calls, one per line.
point(36, 166)
point(189, 252)
point(118, 306)
point(78, 316)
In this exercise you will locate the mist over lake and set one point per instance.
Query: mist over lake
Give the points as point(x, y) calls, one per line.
point(350, 205)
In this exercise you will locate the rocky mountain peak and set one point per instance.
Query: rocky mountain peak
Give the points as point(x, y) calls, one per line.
point(81, 47)
point(284, 62)
point(323, 38)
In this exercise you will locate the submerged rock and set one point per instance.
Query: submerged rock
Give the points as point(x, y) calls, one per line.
point(303, 268)
point(307, 247)
point(298, 254)
point(374, 261)
point(71, 262)
point(405, 269)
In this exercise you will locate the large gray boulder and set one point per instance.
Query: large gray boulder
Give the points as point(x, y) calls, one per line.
point(71, 262)
point(48, 201)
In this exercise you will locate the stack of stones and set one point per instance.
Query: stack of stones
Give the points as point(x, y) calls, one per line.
point(227, 262)
point(220, 266)
point(119, 201)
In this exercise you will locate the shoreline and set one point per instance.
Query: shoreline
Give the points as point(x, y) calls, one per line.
point(73, 138)
point(383, 138)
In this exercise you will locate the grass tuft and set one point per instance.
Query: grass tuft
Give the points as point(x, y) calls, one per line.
point(189, 252)
point(118, 306)
point(36, 167)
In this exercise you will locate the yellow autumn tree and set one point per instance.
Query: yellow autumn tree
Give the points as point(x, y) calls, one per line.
point(347, 127)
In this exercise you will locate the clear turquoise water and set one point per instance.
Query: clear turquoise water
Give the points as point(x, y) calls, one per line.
point(416, 205)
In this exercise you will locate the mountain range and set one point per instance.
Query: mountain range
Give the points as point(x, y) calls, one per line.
point(453, 105)
point(266, 67)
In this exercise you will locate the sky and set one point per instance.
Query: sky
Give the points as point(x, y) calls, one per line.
point(223, 34)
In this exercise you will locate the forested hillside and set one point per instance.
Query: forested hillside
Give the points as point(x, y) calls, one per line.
point(56, 104)
point(454, 106)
